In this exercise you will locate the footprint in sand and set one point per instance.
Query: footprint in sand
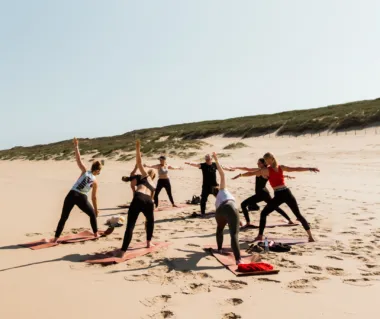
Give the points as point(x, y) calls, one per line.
point(374, 273)
point(335, 271)
point(360, 282)
point(230, 284)
point(317, 268)
point(286, 263)
point(193, 245)
point(334, 257)
point(165, 313)
point(195, 288)
point(162, 299)
point(234, 301)
point(269, 280)
point(32, 234)
point(302, 286)
point(231, 315)
point(319, 278)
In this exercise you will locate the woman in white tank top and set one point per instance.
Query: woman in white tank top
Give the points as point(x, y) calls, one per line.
point(78, 195)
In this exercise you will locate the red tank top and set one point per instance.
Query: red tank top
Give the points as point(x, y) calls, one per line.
point(276, 178)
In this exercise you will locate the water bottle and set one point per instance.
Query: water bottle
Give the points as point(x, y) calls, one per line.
point(266, 245)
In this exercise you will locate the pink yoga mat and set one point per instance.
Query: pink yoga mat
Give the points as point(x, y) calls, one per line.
point(133, 252)
point(72, 238)
point(228, 260)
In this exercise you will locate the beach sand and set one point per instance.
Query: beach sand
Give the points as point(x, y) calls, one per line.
point(339, 279)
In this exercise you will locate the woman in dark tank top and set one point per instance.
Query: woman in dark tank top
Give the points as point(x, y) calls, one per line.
point(261, 195)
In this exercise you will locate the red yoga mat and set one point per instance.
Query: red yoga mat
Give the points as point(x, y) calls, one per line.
point(72, 238)
point(133, 252)
point(228, 260)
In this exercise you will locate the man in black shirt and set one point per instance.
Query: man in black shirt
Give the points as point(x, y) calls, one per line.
point(209, 170)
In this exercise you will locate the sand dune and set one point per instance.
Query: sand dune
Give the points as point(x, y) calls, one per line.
point(335, 280)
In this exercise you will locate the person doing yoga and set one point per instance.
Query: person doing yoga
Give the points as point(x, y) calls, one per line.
point(133, 178)
point(163, 179)
point(261, 193)
point(78, 195)
point(141, 202)
point(282, 194)
point(226, 213)
point(209, 179)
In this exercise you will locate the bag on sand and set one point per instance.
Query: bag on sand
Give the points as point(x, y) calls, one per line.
point(196, 200)
point(115, 221)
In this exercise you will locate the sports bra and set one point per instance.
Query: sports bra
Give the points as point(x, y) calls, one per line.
point(276, 179)
point(144, 181)
point(163, 171)
point(84, 183)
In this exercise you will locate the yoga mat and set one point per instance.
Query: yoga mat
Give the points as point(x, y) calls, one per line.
point(269, 225)
point(228, 260)
point(72, 238)
point(132, 252)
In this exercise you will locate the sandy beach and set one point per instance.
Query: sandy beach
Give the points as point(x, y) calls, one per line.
point(338, 277)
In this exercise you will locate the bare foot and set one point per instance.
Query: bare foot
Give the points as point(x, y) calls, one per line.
point(238, 262)
point(175, 205)
point(259, 238)
point(149, 244)
point(96, 235)
point(53, 240)
point(311, 240)
point(291, 222)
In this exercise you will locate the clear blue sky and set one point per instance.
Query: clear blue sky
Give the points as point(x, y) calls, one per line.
point(92, 68)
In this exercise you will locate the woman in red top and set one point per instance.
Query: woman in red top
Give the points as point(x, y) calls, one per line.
point(282, 194)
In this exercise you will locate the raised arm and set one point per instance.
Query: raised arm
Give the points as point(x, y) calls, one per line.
point(197, 165)
point(257, 172)
point(139, 164)
point(77, 156)
point(134, 171)
point(299, 169)
point(221, 172)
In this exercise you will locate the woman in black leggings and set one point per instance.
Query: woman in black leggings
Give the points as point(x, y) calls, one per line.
point(163, 179)
point(282, 194)
point(261, 193)
point(142, 202)
point(78, 195)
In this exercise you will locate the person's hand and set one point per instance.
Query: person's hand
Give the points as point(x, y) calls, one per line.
point(187, 163)
point(214, 156)
point(75, 141)
point(96, 213)
point(290, 177)
point(236, 177)
point(314, 169)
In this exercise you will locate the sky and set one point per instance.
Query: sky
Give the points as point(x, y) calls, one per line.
point(91, 68)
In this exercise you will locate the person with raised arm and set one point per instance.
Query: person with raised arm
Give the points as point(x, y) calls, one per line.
point(209, 179)
point(282, 194)
point(261, 193)
point(163, 179)
point(226, 213)
point(142, 202)
point(78, 195)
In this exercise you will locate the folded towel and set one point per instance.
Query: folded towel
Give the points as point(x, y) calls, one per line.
point(254, 267)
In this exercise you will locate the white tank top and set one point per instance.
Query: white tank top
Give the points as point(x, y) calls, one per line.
point(222, 196)
point(84, 184)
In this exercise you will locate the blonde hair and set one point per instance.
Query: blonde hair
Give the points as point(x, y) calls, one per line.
point(270, 155)
point(152, 174)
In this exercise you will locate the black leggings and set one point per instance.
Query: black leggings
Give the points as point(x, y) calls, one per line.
point(280, 197)
point(206, 191)
point(140, 203)
point(75, 198)
point(163, 183)
point(257, 198)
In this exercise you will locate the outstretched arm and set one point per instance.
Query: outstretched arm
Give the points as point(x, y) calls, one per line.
point(257, 172)
point(197, 165)
point(139, 164)
point(228, 168)
point(221, 172)
point(247, 169)
point(299, 169)
point(77, 156)
point(175, 167)
point(152, 166)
